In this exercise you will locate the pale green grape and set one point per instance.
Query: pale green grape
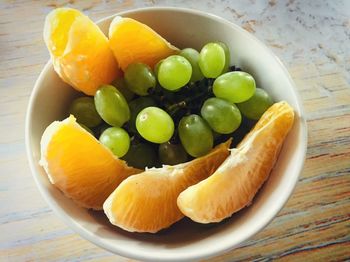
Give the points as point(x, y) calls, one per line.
point(117, 140)
point(255, 106)
point(171, 154)
point(141, 155)
point(111, 106)
point(174, 72)
point(195, 135)
point(122, 87)
point(222, 116)
point(235, 87)
point(83, 108)
point(136, 106)
point(155, 125)
point(227, 56)
point(212, 60)
point(139, 78)
point(192, 56)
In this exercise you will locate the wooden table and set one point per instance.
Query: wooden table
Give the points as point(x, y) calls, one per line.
point(311, 37)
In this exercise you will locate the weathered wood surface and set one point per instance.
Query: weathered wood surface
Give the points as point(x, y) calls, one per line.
point(311, 37)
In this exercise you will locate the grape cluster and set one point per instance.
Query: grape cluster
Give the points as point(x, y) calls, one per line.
point(178, 111)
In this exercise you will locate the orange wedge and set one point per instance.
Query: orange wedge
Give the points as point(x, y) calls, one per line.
point(147, 202)
point(79, 50)
point(81, 167)
point(237, 180)
point(132, 41)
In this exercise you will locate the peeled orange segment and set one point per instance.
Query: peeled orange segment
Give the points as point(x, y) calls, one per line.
point(79, 50)
point(81, 167)
point(132, 41)
point(147, 202)
point(237, 180)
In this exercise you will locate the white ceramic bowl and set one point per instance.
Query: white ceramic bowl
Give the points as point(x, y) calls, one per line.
point(185, 240)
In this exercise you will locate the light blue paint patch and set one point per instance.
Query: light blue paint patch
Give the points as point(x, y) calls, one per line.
point(35, 239)
point(18, 216)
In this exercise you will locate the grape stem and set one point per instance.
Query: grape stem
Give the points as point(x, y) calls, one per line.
point(172, 109)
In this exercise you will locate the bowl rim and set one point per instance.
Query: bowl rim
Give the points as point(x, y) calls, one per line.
point(147, 255)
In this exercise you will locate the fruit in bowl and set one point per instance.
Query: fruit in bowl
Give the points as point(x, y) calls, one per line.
point(149, 200)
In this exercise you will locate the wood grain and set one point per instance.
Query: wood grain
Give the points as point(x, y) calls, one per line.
point(313, 226)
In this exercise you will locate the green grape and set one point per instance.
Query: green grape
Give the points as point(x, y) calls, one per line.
point(136, 106)
point(174, 72)
point(86, 128)
point(122, 87)
point(111, 106)
point(195, 135)
point(212, 60)
point(116, 139)
point(171, 154)
point(222, 116)
point(192, 56)
point(83, 108)
point(155, 125)
point(139, 78)
point(255, 106)
point(141, 155)
point(227, 56)
point(235, 87)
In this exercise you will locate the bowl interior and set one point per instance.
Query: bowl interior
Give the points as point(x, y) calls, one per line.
point(185, 240)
